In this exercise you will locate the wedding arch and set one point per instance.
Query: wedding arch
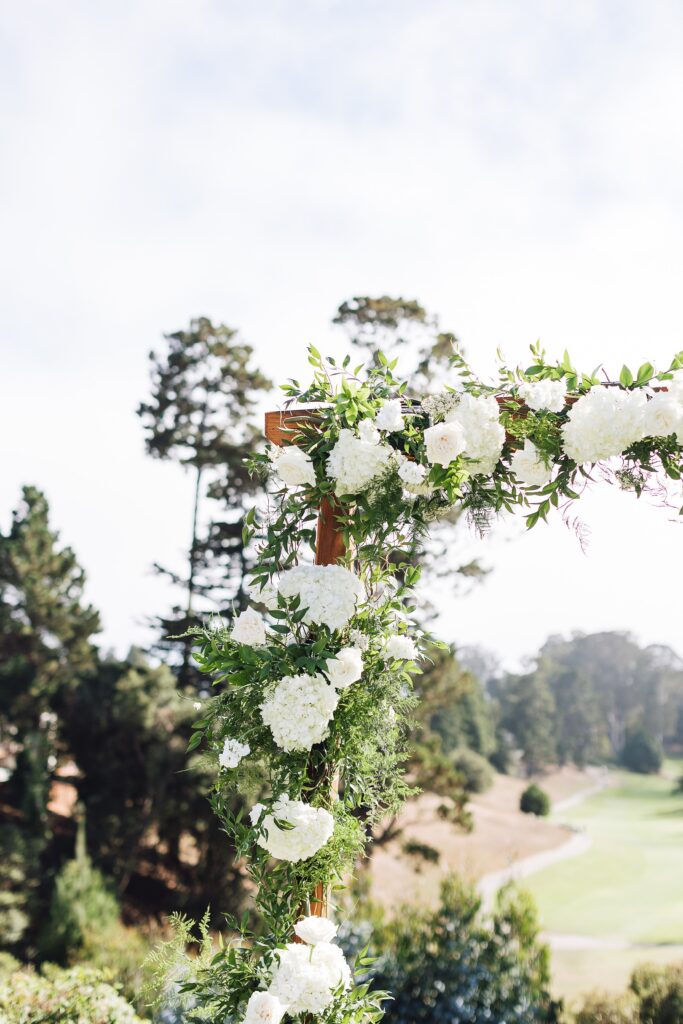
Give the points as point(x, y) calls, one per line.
point(316, 674)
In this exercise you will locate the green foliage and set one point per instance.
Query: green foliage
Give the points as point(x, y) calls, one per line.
point(535, 800)
point(453, 964)
point(82, 904)
point(527, 712)
point(641, 753)
point(599, 1008)
point(659, 991)
point(18, 883)
point(57, 996)
point(474, 768)
point(45, 640)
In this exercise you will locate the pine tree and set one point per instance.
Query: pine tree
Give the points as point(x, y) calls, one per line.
point(204, 391)
point(46, 629)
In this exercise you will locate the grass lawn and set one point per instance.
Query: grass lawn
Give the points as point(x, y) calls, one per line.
point(629, 885)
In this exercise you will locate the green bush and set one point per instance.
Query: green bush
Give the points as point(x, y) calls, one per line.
point(604, 1009)
point(57, 996)
point(475, 769)
point(535, 800)
point(641, 753)
point(454, 965)
point(659, 991)
point(82, 904)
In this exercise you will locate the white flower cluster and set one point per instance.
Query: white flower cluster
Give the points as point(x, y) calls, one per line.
point(293, 465)
point(389, 417)
point(411, 473)
point(355, 462)
point(315, 929)
point(479, 418)
point(346, 668)
point(263, 1008)
point(401, 648)
point(299, 711)
point(438, 407)
point(232, 753)
point(312, 828)
point(543, 394)
point(266, 595)
point(304, 978)
point(329, 592)
point(529, 467)
point(604, 423)
point(359, 640)
point(471, 428)
point(249, 628)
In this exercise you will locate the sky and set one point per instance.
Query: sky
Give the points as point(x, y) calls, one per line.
point(516, 166)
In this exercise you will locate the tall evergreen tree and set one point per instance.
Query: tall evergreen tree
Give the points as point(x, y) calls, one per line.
point(46, 629)
point(204, 391)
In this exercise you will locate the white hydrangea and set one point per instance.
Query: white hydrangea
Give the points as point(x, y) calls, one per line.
point(249, 628)
point(664, 415)
point(328, 592)
point(266, 595)
point(604, 423)
point(346, 668)
point(354, 462)
point(232, 753)
point(401, 648)
point(389, 417)
point(411, 473)
point(543, 394)
point(443, 443)
point(293, 465)
point(479, 418)
point(368, 432)
point(299, 711)
point(315, 929)
point(264, 1008)
point(529, 467)
point(312, 828)
point(304, 978)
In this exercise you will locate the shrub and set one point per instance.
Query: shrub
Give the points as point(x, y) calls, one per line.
point(535, 800)
point(60, 996)
point(454, 965)
point(659, 991)
point(82, 903)
point(414, 848)
point(604, 1009)
point(641, 753)
point(474, 768)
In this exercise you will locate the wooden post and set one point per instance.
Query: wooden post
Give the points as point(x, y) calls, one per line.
point(329, 548)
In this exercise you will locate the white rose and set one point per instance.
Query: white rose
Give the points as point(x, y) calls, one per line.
point(664, 416)
point(529, 468)
point(249, 629)
point(401, 648)
point(346, 668)
point(444, 442)
point(293, 465)
point(543, 394)
point(263, 1008)
point(232, 753)
point(315, 929)
point(389, 416)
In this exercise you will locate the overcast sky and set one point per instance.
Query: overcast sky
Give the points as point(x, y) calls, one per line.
point(517, 166)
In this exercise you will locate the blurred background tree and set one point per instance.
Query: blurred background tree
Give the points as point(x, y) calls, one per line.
point(204, 392)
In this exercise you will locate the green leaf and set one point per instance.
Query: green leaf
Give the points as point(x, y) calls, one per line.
point(626, 377)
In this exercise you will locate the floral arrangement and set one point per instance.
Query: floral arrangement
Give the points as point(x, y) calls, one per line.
point(309, 725)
